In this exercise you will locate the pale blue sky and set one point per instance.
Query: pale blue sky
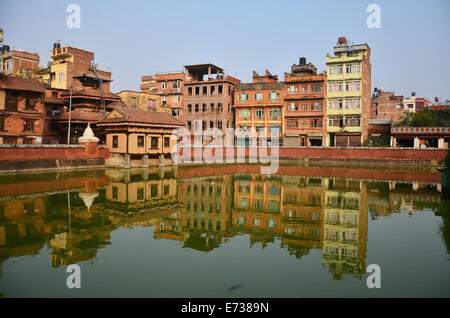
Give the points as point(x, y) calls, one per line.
point(410, 52)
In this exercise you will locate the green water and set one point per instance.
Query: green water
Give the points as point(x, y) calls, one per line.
point(167, 232)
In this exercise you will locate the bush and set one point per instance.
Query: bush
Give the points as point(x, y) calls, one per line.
point(377, 142)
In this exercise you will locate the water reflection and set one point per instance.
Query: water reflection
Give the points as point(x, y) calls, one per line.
point(73, 214)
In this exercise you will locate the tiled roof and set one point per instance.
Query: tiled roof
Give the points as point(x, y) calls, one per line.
point(82, 115)
point(90, 92)
point(21, 84)
point(144, 117)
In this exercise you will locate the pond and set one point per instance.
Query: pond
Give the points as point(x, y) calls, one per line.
point(225, 231)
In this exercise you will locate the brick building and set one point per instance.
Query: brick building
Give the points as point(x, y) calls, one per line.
point(17, 62)
point(422, 103)
point(259, 109)
point(304, 106)
point(83, 86)
point(21, 110)
point(386, 105)
point(143, 100)
point(348, 94)
point(148, 84)
point(208, 96)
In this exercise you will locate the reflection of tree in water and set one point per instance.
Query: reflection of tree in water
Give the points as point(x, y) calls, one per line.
point(444, 211)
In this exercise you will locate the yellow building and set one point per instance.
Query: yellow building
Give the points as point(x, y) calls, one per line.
point(348, 94)
point(144, 101)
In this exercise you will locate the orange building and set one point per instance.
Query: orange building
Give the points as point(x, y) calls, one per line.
point(169, 86)
point(259, 109)
point(304, 106)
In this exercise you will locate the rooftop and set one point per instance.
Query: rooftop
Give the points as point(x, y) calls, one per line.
point(142, 117)
point(21, 84)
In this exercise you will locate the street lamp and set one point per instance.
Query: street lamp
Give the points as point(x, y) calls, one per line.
point(70, 116)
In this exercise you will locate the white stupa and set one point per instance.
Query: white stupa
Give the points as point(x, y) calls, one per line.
point(88, 135)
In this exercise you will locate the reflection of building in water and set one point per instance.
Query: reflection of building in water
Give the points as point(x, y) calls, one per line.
point(345, 227)
point(137, 189)
point(280, 206)
point(302, 214)
point(205, 220)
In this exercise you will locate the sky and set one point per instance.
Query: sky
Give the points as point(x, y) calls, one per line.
point(410, 50)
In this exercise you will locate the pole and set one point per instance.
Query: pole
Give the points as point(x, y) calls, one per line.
point(70, 116)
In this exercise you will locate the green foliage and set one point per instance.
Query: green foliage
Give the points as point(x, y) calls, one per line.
point(377, 142)
point(427, 118)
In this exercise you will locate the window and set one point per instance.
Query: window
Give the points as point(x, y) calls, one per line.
point(175, 98)
point(304, 89)
point(335, 87)
point(219, 108)
point(140, 141)
point(115, 192)
point(154, 143)
point(189, 91)
point(154, 190)
point(220, 89)
point(2, 123)
point(316, 123)
point(212, 108)
point(213, 90)
point(274, 129)
point(335, 69)
point(258, 96)
point(353, 104)
point(219, 124)
point(166, 142)
point(352, 86)
point(115, 142)
point(189, 124)
point(28, 125)
point(29, 103)
point(352, 68)
point(164, 85)
point(197, 90)
point(292, 123)
point(317, 106)
point(304, 106)
point(336, 121)
point(176, 112)
point(62, 77)
point(242, 97)
point(205, 90)
point(274, 114)
point(164, 100)
point(197, 108)
point(335, 104)
point(273, 96)
point(259, 129)
point(203, 125)
point(189, 108)
point(244, 113)
point(292, 89)
point(211, 124)
point(353, 121)
point(133, 101)
point(204, 108)
point(176, 84)
point(316, 88)
point(292, 107)
point(260, 113)
point(11, 102)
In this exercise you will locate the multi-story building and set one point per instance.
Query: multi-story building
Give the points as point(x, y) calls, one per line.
point(409, 103)
point(348, 94)
point(85, 88)
point(169, 86)
point(21, 110)
point(149, 84)
point(259, 109)
point(386, 105)
point(17, 62)
point(304, 106)
point(208, 96)
point(144, 101)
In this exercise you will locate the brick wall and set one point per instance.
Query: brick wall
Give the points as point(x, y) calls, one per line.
point(411, 155)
